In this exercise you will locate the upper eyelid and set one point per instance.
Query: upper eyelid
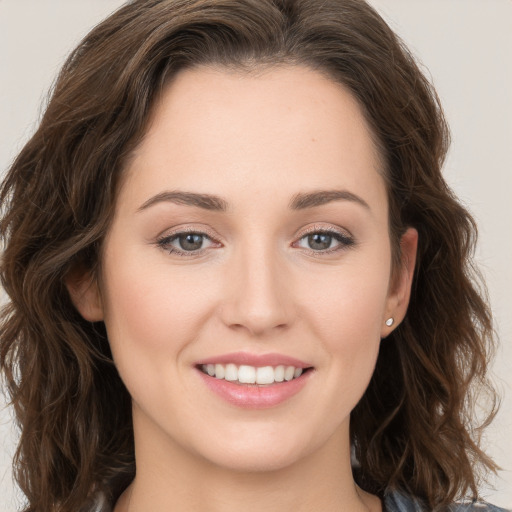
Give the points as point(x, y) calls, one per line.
point(170, 233)
point(215, 237)
point(317, 228)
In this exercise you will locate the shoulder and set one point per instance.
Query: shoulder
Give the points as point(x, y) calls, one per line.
point(477, 506)
point(396, 501)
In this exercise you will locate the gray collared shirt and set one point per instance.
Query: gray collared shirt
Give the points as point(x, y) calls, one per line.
point(395, 501)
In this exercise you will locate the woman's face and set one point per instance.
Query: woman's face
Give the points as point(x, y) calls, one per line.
point(251, 230)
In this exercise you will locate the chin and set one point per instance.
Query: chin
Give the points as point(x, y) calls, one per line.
point(255, 462)
point(258, 455)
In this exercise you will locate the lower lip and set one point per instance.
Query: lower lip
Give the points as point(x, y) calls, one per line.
point(252, 396)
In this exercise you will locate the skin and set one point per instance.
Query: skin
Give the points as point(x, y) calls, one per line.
point(255, 140)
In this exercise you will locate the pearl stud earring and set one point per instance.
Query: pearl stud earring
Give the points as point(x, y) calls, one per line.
point(389, 322)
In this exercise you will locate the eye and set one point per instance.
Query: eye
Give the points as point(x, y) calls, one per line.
point(325, 241)
point(186, 243)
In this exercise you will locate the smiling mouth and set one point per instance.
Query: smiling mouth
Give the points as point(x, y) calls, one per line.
point(246, 375)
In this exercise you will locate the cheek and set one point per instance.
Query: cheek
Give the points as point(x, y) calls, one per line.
point(151, 312)
point(153, 316)
point(347, 320)
point(352, 304)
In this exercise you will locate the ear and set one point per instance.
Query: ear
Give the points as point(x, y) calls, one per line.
point(84, 292)
point(400, 288)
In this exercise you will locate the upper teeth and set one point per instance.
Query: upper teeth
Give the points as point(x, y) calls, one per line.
point(251, 374)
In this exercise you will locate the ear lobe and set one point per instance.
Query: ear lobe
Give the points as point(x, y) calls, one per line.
point(85, 295)
point(400, 291)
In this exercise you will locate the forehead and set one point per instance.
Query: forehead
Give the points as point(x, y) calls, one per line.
point(214, 129)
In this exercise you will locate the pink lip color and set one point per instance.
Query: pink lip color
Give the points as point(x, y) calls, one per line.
point(253, 396)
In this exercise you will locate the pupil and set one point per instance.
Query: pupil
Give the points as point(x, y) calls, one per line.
point(191, 242)
point(319, 241)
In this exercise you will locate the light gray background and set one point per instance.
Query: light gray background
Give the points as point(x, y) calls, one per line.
point(466, 46)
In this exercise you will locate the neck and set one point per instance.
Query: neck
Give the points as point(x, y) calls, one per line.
point(176, 480)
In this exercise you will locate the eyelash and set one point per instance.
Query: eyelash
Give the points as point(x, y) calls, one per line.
point(165, 241)
point(345, 241)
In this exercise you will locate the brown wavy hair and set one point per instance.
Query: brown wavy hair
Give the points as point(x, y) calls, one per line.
point(415, 428)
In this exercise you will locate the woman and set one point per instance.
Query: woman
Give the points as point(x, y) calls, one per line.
point(236, 275)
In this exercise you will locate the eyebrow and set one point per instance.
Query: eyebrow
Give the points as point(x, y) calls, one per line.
point(205, 201)
point(304, 200)
point(300, 201)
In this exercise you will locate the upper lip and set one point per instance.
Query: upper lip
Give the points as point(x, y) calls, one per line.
point(258, 360)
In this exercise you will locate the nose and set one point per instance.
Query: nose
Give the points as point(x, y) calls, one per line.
point(257, 297)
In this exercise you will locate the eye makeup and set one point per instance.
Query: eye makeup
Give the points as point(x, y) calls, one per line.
point(318, 241)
